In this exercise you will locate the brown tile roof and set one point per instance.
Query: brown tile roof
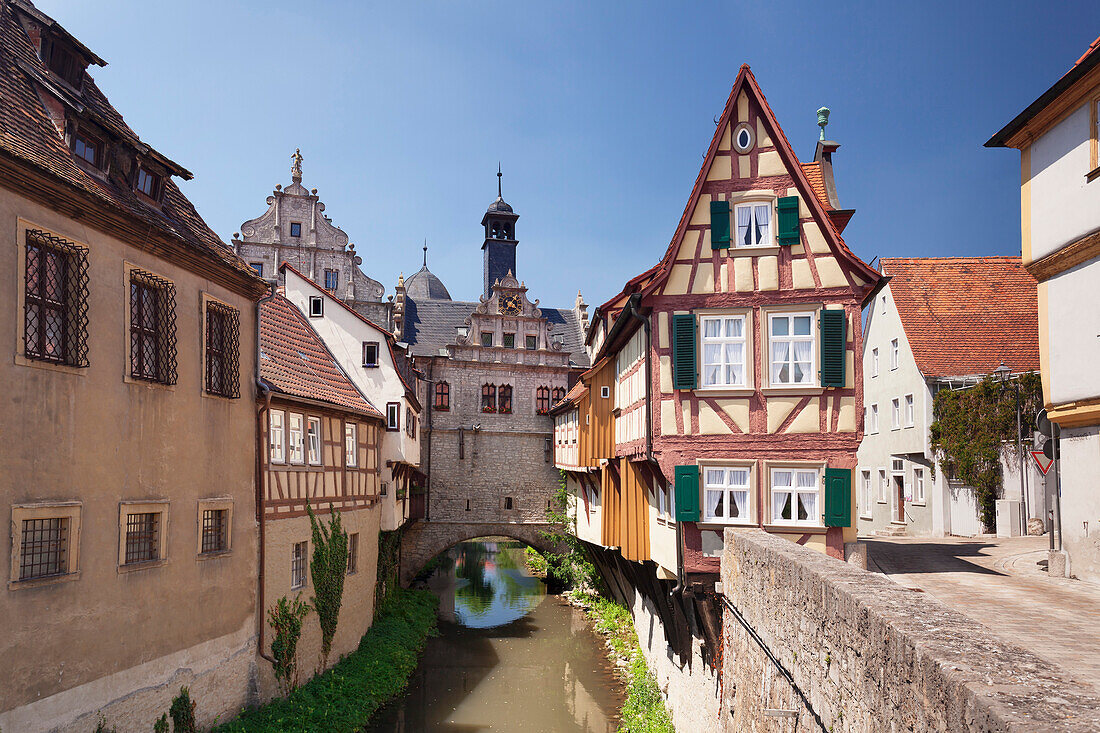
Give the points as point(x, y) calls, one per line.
point(295, 361)
point(965, 315)
point(28, 134)
point(817, 181)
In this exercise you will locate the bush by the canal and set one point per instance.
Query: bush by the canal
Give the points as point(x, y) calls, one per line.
point(345, 697)
point(644, 710)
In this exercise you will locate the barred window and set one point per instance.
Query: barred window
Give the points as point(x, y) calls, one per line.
point(297, 565)
point(442, 396)
point(353, 552)
point(43, 549)
point(215, 530)
point(504, 399)
point(488, 398)
point(152, 328)
point(542, 400)
point(142, 537)
point(55, 314)
point(558, 395)
point(223, 325)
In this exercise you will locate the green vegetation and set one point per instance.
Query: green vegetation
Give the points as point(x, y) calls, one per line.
point(345, 697)
point(389, 555)
point(536, 563)
point(973, 426)
point(286, 620)
point(571, 566)
point(328, 570)
point(644, 710)
point(183, 712)
point(161, 726)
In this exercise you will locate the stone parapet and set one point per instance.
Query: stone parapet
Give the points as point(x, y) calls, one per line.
point(866, 654)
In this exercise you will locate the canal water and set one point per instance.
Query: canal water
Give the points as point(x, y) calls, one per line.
point(509, 655)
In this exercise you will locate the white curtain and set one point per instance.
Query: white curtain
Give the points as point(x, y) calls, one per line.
point(779, 499)
point(763, 212)
point(733, 327)
point(712, 327)
point(807, 495)
point(735, 363)
point(780, 351)
point(714, 499)
point(744, 214)
point(740, 508)
point(803, 357)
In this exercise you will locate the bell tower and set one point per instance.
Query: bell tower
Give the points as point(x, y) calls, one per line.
point(500, 240)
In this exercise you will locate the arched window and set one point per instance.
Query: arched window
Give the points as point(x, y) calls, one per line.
point(442, 396)
point(559, 395)
point(504, 399)
point(542, 400)
point(488, 398)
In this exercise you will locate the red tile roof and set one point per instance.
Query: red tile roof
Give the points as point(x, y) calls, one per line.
point(1092, 48)
point(965, 315)
point(295, 361)
point(817, 181)
point(28, 134)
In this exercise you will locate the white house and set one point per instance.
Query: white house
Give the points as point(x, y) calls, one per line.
point(939, 323)
point(370, 357)
point(1058, 137)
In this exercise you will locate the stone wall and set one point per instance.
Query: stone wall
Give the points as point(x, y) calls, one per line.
point(421, 541)
point(868, 655)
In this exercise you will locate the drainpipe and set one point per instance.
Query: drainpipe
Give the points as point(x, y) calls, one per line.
point(426, 448)
point(264, 391)
point(633, 312)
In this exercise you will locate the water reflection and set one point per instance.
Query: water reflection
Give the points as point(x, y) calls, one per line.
point(508, 658)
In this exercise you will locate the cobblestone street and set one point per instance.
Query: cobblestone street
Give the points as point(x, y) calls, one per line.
point(1000, 583)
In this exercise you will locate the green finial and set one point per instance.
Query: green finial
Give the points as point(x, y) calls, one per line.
point(822, 120)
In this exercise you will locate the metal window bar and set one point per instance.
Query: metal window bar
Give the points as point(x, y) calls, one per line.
point(488, 398)
point(353, 553)
point(55, 313)
point(542, 400)
point(152, 328)
point(442, 396)
point(214, 528)
point(43, 548)
point(141, 537)
point(223, 325)
point(504, 399)
point(298, 565)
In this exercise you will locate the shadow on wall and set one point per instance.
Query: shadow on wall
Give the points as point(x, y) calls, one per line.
point(928, 557)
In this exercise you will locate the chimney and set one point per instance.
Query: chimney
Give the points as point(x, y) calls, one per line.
point(823, 156)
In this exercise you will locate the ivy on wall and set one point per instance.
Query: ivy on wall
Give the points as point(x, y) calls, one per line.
point(328, 570)
point(973, 428)
point(389, 558)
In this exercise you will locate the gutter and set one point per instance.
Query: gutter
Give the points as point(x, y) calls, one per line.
point(264, 392)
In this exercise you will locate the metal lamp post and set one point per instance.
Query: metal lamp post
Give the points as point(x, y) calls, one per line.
point(1003, 375)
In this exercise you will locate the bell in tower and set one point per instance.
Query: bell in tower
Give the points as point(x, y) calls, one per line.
point(500, 240)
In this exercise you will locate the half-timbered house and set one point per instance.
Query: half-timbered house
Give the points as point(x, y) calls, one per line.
point(321, 447)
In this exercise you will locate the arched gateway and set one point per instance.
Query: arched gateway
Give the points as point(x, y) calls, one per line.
point(424, 540)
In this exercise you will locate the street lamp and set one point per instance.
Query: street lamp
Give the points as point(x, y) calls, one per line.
point(1003, 374)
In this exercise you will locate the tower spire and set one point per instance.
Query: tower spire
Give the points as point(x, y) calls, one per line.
point(499, 176)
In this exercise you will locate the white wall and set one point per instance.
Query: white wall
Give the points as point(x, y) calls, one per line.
point(1073, 328)
point(1064, 206)
point(1080, 469)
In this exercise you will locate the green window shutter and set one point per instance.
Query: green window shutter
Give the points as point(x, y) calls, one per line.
point(787, 231)
point(834, 344)
point(719, 224)
point(687, 493)
point(838, 497)
point(683, 351)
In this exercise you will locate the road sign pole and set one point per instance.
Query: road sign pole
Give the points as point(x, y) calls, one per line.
point(1057, 482)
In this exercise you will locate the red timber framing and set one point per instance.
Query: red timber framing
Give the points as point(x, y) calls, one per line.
point(288, 486)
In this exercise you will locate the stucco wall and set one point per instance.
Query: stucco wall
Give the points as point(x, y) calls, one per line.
point(1072, 322)
point(870, 655)
point(1080, 466)
point(94, 436)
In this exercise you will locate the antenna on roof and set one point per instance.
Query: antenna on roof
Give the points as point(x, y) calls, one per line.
point(425, 252)
point(499, 176)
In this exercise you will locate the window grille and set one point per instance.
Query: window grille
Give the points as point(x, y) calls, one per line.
point(442, 396)
point(152, 328)
point(215, 530)
point(558, 396)
point(488, 398)
point(55, 320)
point(141, 537)
point(504, 399)
point(542, 400)
point(43, 549)
point(353, 553)
point(223, 326)
point(298, 565)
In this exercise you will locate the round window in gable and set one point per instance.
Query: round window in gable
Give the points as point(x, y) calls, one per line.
point(743, 138)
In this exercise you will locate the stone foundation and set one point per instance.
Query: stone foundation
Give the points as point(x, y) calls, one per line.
point(866, 654)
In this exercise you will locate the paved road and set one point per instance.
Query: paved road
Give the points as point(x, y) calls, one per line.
point(1001, 584)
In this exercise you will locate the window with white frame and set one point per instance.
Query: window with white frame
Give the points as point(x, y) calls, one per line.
point(753, 224)
point(918, 485)
point(895, 413)
point(295, 444)
point(910, 415)
point(313, 435)
point(723, 351)
point(393, 416)
point(664, 508)
point(894, 354)
point(883, 486)
point(277, 436)
point(298, 564)
point(726, 494)
point(874, 362)
point(794, 494)
point(792, 348)
point(865, 495)
point(874, 418)
point(351, 444)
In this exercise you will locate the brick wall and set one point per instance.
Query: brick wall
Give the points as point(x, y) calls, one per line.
point(870, 655)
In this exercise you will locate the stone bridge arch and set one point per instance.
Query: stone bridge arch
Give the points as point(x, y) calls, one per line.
point(423, 540)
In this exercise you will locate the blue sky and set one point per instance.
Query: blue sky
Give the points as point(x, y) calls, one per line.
point(599, 114)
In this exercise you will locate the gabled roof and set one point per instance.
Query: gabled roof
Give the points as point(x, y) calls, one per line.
point(963, 316)
point(295, 361)
point(29, 136)
point(1088, 61)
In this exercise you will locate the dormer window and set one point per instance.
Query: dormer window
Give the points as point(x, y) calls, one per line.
point(88, 149)
point(148, 183)
point(62, 61)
